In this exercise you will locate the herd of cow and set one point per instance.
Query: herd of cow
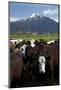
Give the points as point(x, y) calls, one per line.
point(33, 61)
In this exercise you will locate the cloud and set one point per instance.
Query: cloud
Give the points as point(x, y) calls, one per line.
point(50, 12)
point(13, 19)
point(53, 14)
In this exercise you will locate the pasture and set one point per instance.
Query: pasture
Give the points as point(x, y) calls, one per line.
point(35, 36)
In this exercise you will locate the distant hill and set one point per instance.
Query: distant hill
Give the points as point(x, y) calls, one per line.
point(36, 23)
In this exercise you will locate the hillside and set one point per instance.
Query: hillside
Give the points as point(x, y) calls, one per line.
point(37, 23)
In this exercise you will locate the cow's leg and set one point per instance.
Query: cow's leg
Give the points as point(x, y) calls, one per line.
point(52, 72)
point(13, 83)
point(56, 74)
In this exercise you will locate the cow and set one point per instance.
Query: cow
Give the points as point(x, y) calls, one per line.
point(51, 53)
point(16, 68)
point(40, 60)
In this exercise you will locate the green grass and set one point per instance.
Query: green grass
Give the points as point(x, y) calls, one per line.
point(48, 37)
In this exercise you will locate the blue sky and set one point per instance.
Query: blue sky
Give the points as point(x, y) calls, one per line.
point(23, 10)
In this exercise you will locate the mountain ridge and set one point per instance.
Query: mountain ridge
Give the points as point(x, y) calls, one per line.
point(36, 23)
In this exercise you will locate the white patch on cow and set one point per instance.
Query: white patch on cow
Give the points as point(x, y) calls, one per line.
point(13, 41)
point(22, 49)
point(17, 41)
point(50, 42)
point(32, 43)
point(42, 61)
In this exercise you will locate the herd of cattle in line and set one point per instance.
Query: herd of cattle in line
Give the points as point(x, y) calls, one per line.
point(34, 60)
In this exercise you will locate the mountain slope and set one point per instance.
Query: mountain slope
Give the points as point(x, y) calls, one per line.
point(35, 23)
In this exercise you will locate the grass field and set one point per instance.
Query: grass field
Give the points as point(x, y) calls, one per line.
point(48, 37)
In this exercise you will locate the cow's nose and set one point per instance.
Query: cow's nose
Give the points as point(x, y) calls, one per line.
point(42, 72)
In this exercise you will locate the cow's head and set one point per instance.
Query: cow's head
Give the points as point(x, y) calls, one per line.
point(42, 61)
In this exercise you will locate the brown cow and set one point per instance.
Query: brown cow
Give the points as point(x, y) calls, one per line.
point(16, 67)
point(52, 52)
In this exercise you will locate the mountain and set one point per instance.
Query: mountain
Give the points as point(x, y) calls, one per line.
point(35, 23)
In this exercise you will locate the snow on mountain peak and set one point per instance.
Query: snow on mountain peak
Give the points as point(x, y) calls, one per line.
point(34, 15)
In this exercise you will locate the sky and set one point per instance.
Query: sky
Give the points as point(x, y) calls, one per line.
point(23, 10)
